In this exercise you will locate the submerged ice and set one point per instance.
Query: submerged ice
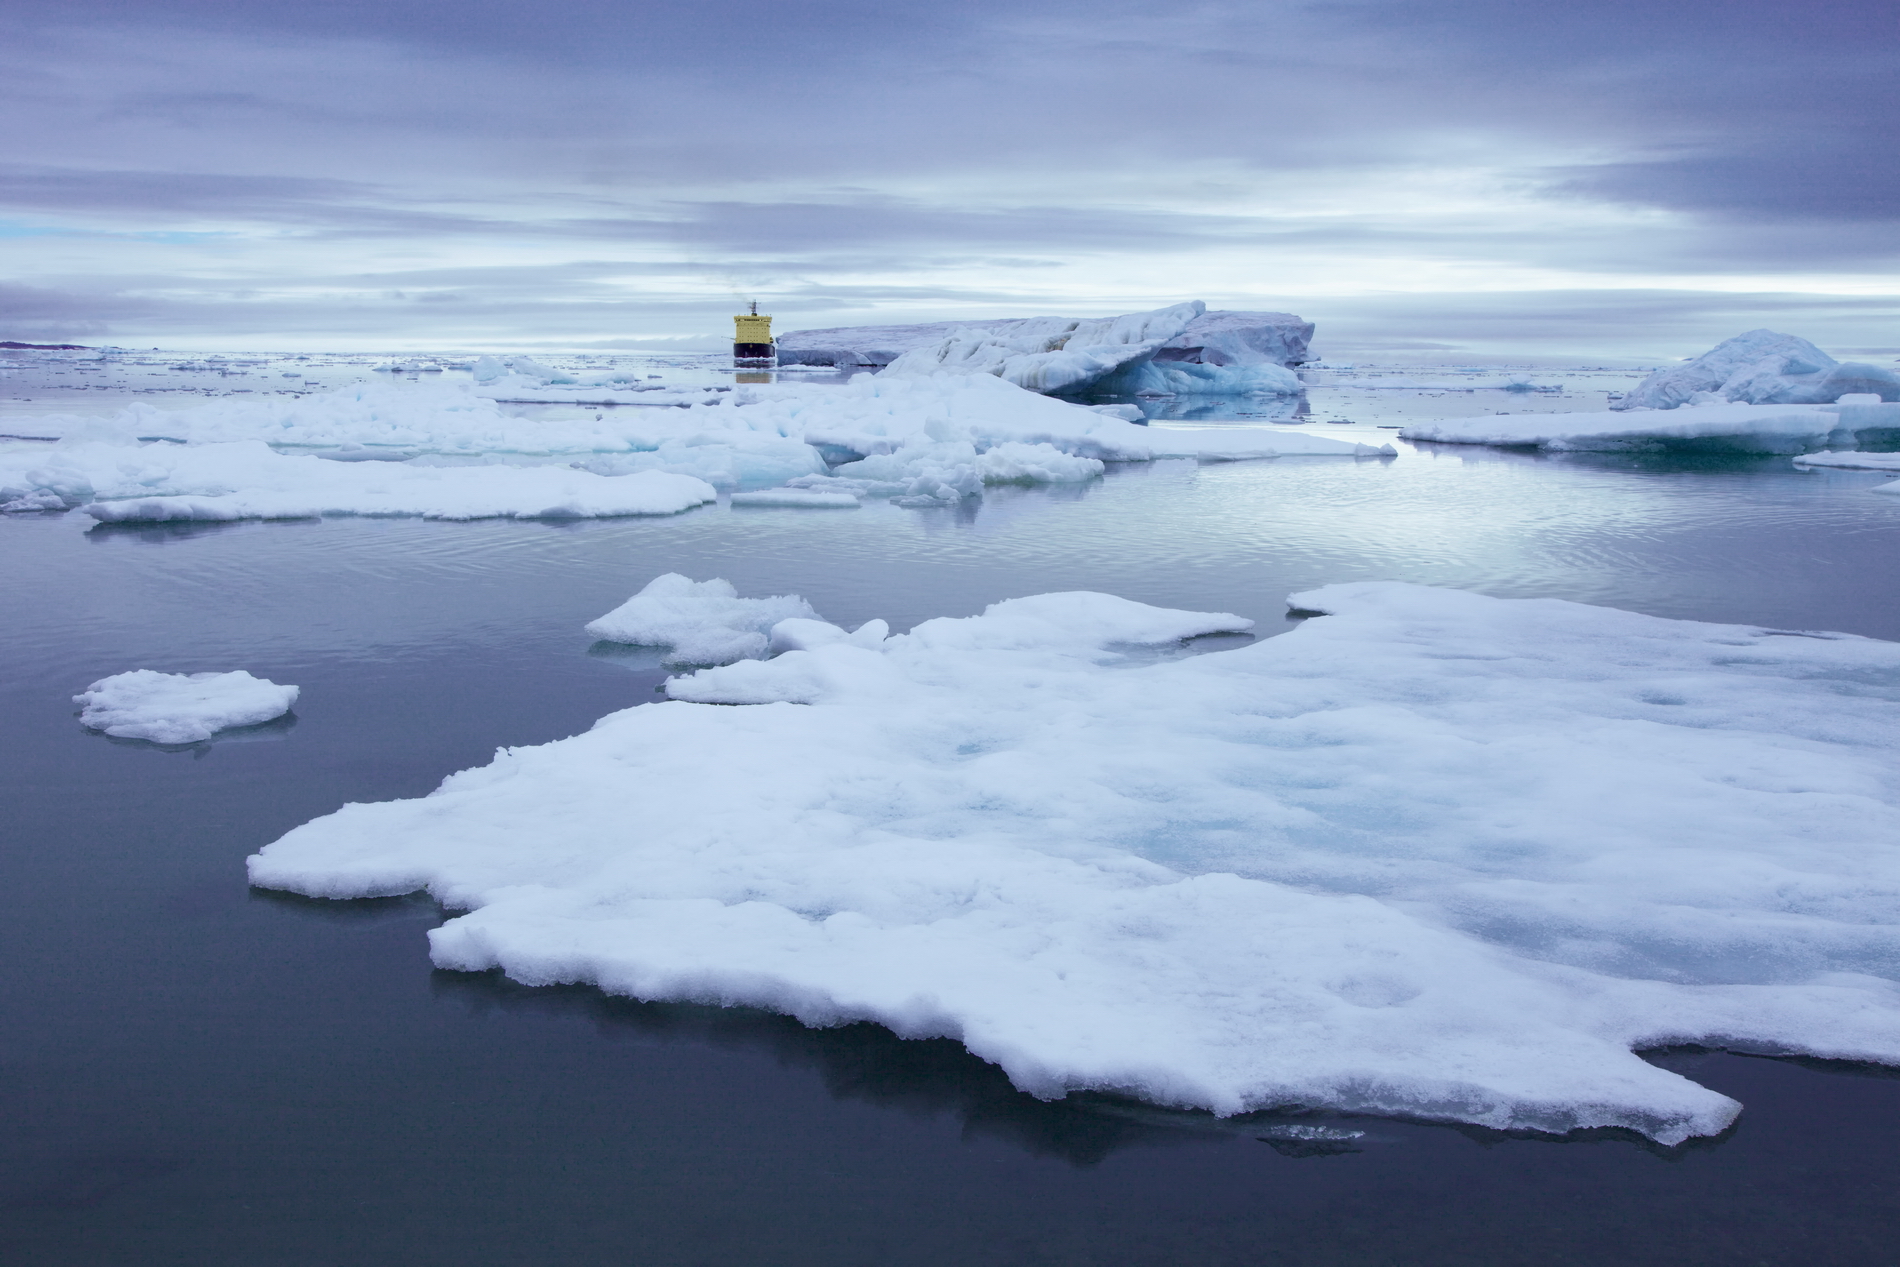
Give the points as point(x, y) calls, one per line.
point(180, 707)
point(1430, 853)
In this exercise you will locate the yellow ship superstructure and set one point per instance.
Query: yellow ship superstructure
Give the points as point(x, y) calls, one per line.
point(752, 338)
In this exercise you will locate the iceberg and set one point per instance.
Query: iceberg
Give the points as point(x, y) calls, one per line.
point(1177, 350)
point(1702, 428)
point(1429, 854)
point(180, 707)
point(1761, 367)
point(702, 622)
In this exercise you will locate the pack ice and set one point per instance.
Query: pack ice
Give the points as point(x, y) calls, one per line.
point(1430, 853)
point(1762, 367)
point(381, 448)
point(180, 707)
point(1703, 428)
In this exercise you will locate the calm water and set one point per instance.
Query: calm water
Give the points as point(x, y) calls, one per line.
point(192, 1073)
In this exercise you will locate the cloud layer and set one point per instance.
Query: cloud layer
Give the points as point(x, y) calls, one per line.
point(1615, 178)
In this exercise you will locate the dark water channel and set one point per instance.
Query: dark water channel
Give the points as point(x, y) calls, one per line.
point(192, 1073)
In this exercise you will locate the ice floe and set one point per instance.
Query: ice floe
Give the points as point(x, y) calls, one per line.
point(702, 622)
point(381, 439)
point(248, 480)
point(1762, 367)
point(1432, 853)
point(180, 707)
point(1706, 428)
point(1852, 461)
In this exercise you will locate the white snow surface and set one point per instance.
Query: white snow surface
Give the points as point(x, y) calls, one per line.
point(1852, 461)
point(1703, 428)
point(1432, 854)
point(180, 707)
point(248, 480)
point(1762, 367)
point(703, 622)
point(754, 436)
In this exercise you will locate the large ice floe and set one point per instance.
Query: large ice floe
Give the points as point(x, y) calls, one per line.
point(246, 479)
point(1430, 854)
point(1705, 428)
point(1178, 350)
point(179, 708)
point(381, 448)
point(1762, 367)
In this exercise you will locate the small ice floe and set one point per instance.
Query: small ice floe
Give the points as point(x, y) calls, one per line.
point(178, 708)
point(703, 622)
point(1852, 461)
point(1709, 428)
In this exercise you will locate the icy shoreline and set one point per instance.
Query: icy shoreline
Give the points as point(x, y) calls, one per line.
point(1432, 854)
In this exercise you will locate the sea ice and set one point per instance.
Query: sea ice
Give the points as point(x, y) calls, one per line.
point(1168, 351)
point(650, 461)
point(1431, 853)
point(1762, 367)
point(1705, 428)
point(704, 622)
point(180, 707)
point(1852, 461)
point(247, 480)
point(1215, 352)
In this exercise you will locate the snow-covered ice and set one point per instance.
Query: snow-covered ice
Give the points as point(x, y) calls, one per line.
point(248, 480)
point(703, 622)
point(1762, 367)
point(1432, 853)
point(180, 707)
point(1852, 461)
point(636, 461)
point(1706, 428)
point(1181, 349)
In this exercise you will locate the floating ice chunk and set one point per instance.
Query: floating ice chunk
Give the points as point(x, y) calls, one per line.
point(810, 498)
point(1721, 428)
point(1852, 461)
point(180, 707)
point(1433, 854)
point(1762, 367)
point(704, 622)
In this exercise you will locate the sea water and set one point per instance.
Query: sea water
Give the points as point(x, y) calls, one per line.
point(193, 1072)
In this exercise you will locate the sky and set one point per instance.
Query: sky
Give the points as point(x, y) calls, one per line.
point(1597, 179)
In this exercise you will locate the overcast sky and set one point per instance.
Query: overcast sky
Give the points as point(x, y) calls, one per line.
point(1613, 178)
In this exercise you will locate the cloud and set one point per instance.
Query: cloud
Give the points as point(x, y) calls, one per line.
point(848, 158)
